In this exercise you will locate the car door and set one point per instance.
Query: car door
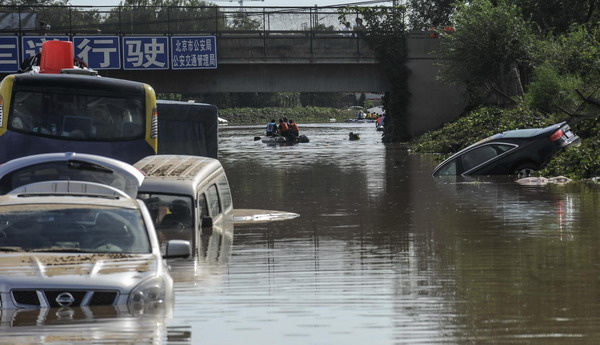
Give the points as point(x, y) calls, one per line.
point(487, 159)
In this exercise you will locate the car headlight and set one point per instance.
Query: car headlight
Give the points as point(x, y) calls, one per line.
point(149, 293)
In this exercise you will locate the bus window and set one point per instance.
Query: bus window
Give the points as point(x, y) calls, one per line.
point(79, 116)
point(73, 113)
point(213, 201)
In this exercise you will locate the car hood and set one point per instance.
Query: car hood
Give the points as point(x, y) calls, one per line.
point(98, 271)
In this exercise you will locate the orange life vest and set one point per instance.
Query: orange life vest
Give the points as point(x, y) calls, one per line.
point(295, 127)
point(283, 127)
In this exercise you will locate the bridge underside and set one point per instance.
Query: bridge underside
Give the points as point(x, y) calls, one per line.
point(432, 103)
point(263, 78)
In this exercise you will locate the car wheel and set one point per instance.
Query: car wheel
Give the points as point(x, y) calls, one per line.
point(525, 170)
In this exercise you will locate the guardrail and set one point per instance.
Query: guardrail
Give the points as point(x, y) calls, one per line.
point(168, 20)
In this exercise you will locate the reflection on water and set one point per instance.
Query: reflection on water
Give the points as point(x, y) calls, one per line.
point(382, 253)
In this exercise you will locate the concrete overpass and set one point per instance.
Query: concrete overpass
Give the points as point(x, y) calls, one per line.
point(314, 62)
point(290, 50)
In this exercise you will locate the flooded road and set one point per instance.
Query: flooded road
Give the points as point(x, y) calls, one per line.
point(381, 253)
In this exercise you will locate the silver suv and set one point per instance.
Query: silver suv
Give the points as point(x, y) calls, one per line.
point(68, 242)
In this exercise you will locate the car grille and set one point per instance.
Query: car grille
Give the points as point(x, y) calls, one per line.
point(72, 298)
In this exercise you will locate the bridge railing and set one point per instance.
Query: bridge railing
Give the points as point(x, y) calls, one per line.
point(129, 20)
point(248, 34)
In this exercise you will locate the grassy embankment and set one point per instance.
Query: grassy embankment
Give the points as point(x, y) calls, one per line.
point(260, 116)
point(576, 162)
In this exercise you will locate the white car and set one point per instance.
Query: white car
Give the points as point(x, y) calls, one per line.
point(68, 242)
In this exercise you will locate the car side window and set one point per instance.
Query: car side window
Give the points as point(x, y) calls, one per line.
point(448, 169)
point(214, 205)
point(482, 154)
point(202, 207)
point(224, 192)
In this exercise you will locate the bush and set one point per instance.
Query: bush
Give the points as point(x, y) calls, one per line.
point(260, 116)
point(476, 126)
point(549, 90)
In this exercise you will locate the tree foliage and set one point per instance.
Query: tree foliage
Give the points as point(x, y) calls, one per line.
point(489, 42)
point(557, 16)
point(423, 15)
point(384, 31)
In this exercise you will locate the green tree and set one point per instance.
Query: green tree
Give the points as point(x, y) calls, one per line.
point(423, 15)
point(385, 33)
point(491, 41)
point(244, 21)
point(557, 16)
point(162, 16)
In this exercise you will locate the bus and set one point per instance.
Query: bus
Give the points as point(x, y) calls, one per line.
point(75, 111)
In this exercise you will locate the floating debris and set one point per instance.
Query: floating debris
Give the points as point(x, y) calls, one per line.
point(542, 181)
point(251, 216)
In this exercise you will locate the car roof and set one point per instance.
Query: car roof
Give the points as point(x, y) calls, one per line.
point(178, 174)
point(132, 177)
point(527, 132)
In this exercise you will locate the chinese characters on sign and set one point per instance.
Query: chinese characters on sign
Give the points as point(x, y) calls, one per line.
point(33, 44)
point(9, 54)
point(145, 53)
point(106, 52)
point(98, 52)
point(193, 52)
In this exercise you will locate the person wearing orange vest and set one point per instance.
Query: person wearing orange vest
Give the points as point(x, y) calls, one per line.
point(283, 128)
point(294, 130)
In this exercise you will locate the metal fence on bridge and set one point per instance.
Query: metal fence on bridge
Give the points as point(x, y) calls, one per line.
point(168, 20)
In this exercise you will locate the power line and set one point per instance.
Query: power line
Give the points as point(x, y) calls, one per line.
point(241, 2)
point(363, 3)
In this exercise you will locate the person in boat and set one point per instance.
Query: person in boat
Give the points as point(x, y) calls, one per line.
point(294, 130)
point(284, 128)
point(379, 120)
point(271, 129)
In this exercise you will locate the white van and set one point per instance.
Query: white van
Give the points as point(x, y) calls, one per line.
point(187, 196)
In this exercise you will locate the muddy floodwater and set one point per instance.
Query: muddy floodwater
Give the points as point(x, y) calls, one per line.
point(381, 253)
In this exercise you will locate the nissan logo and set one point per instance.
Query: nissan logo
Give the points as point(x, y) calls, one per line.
point(65, 299)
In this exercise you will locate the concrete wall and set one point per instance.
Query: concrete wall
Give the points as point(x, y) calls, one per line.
point(432, 103)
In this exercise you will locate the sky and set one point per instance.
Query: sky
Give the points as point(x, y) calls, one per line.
point(264, 3)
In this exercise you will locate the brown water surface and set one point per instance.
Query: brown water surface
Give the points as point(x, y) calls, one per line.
point(382, 253)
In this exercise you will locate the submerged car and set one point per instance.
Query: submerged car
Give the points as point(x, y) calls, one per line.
point(520, 152)
point(69, 242)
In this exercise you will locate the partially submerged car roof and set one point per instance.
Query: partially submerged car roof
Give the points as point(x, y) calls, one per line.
point(70, 166)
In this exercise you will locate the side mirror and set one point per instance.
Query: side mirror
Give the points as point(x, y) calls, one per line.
point(178, 249)
point(207, 222)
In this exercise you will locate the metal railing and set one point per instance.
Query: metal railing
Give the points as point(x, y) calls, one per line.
point(169, 20)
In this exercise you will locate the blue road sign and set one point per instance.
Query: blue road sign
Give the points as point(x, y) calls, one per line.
point(194, 52)
point(98, 52)
point(33, 44)
point(9, 54)
point(144, 53)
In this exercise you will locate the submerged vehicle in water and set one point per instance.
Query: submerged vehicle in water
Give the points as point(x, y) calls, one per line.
point(520, 152)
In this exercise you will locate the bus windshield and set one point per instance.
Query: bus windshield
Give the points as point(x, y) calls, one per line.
point(80, 114)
